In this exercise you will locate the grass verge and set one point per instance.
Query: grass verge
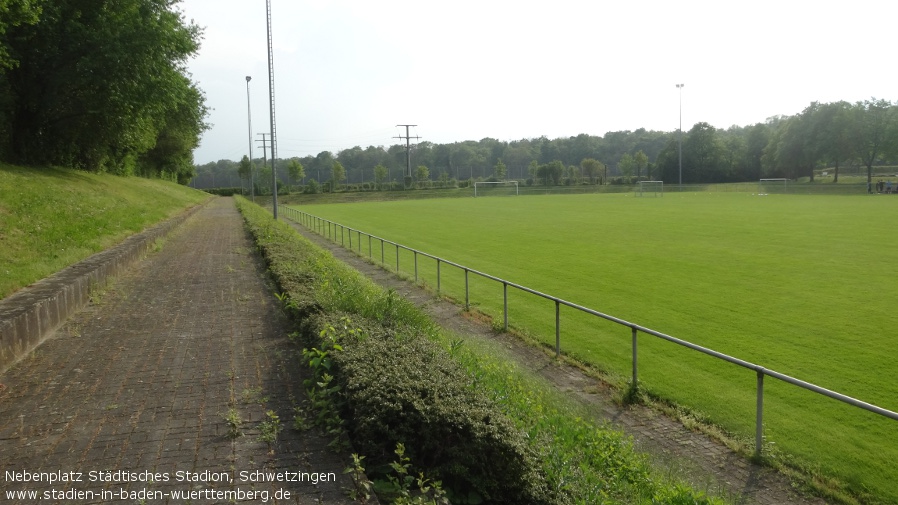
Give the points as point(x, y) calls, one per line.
point(51, 218)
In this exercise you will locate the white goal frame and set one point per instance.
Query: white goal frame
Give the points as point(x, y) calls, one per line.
point(656, 188)
point(779, 179)
point(516, 189)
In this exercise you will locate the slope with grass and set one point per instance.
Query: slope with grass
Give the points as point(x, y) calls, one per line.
point(51, 218)
point(799, 284)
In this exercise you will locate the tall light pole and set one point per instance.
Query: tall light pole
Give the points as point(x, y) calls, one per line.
point(274, 142)
point(680, 134)
point(249, 119)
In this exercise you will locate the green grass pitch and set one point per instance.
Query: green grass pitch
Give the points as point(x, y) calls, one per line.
point(804, 285)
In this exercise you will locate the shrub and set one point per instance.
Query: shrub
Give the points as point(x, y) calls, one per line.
point(405, 388)
point(224, 191)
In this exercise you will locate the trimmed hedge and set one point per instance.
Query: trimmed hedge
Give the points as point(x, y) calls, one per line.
point(394, 383)
point(404, 387)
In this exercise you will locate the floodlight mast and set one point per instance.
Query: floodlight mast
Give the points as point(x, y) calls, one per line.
point(274, 173)
point(680, 135)
point(249, 119)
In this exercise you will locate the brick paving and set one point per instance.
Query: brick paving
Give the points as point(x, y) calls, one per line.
point(707, 464)
point(144, 379)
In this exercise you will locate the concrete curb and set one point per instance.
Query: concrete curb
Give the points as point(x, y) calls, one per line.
point(32, 314)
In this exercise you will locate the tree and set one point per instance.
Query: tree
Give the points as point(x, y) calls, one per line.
point(500, 170)
point(793, 153)
point(591, 169)
point(97, 85)
point(640, 162)
point(833, 128)
point(422, 175)
point(444, 179)
point(755, 144)
point(245, 169)
point(179, 134)
point(380, 174)
point(533, 169)
point(572, 174)
point(626, 165)
point(873, 120)
point(553, 171)
point(295, 170)
point(338, 174)
point(702, 154)
point(14, 13)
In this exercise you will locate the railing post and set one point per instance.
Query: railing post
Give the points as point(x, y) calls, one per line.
point(415, 253)
point(467, 297)
point(759, 421)
point(342, 238)
point(505, 303)
point(350, 240)
point(370, 254)
point(397, 258)
point(438, 277)
point(635, 361)
point(557, 328)
point(382, 258)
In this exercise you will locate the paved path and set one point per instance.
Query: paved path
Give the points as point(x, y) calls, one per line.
point(706, 463)
point(143, 381)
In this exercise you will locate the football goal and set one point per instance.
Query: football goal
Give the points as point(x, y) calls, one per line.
point(770, 186)
point(651, 188)
point(491, 187)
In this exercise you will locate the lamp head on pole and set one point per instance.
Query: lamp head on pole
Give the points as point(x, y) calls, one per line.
point(248, 78)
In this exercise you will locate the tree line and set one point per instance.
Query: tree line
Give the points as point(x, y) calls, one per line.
point(99, 85)
point(859, 135)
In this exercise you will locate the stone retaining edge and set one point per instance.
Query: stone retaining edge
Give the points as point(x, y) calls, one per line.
point(30, 315)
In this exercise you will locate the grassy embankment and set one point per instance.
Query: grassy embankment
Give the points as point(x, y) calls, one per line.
point(577, 460)
point(51, 218)
point(799, 284)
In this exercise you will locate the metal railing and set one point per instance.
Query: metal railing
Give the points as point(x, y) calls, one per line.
point(336, 231)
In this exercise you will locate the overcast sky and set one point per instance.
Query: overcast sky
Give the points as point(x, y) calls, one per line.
point(346, 72)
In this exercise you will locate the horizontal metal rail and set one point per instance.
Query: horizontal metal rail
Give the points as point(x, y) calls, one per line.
point(317, 224)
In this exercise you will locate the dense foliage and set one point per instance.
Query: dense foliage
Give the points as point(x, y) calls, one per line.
point(99, 85)
point(836, 135)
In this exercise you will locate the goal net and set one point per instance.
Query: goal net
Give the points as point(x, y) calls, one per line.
point(484, 188)
point(773, 186)
point(651, 188)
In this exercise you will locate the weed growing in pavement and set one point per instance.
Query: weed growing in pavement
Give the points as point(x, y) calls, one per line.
point(232, 418)
point(362, 488)
point(270, 428)
point(301, 419)
point(253, 395)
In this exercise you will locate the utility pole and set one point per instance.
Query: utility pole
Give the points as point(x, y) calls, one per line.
point(408, 148)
